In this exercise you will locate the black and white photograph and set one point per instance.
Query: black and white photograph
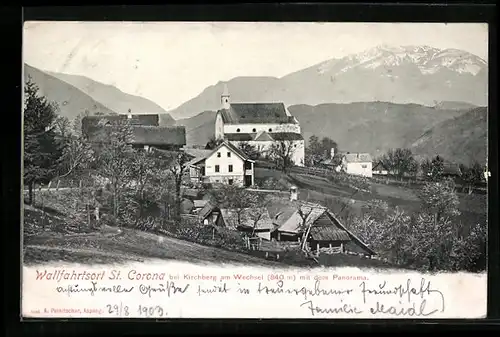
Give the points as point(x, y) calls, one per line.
point(271, 145)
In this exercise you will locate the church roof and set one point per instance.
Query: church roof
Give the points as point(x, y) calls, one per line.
point(256, 113)
point(275, 136)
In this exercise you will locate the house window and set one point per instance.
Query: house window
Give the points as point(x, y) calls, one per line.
point(237, 130)
point(364, 166)
point(216, 168)
point(230, 181)
point(229, 154)
point(254, 130)
point(230, 167)
point(218, 154)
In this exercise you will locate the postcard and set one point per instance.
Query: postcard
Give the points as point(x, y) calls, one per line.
point(254, 170)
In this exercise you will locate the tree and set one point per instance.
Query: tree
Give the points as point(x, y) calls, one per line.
point(143, 171)
point(213, 143)
point(41, 148)
point(401, 162)
point(304, 213)
point(281, 153)
point(472, 175)
point(433, 169)
point(114, 160)
point(62, 127)
point(256, 210)
point(174, 162)
point(439, 199)
point(319, 150)
point(250, 150)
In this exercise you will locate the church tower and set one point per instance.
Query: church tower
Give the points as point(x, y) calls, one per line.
point(224, 98)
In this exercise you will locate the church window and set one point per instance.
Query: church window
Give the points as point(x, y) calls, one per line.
point(230, 168)
point(216, 168)
point(218, 154)
point(254, 130)
point(229, 154)
point(237, 130)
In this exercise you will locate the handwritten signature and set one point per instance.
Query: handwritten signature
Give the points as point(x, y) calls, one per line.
point(406, 291)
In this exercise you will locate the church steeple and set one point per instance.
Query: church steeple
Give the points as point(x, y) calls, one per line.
point(225, 98)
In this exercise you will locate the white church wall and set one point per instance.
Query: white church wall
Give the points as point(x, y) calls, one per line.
point(253, 128)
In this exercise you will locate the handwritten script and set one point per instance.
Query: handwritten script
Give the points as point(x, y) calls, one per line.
point(132, 293)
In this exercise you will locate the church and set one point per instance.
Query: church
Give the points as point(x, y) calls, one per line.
point(260, 125)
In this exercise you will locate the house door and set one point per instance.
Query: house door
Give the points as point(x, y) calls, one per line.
point(248, 181)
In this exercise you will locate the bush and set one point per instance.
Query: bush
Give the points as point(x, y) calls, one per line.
point(421, 242)
point(273, 183)
point(209, 235)
point(356, 182)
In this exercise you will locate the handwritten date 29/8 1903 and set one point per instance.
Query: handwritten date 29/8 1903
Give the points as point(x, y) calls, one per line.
point(122, 310)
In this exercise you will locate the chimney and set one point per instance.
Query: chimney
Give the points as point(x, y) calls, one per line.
point(332, 153)
point(293, 193)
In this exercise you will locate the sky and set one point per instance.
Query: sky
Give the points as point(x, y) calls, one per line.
point(172, 62)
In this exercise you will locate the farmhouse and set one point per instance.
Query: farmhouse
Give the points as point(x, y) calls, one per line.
point(144, 131)
point(208, 214)
point(380, 169)
point(254, 221)
point(226, 164)
point(357, 164)
point(324, 231)
point(260, 125)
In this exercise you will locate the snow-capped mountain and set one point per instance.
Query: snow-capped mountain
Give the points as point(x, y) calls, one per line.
point(399, 74)
point(429, 60)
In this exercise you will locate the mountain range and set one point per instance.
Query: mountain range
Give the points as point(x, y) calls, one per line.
point(74, 94)
point(459, 135)
point(407, 74)
point(422, 98)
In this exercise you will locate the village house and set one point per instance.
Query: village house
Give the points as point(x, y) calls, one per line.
point(260, 125)
point(380, 169)
point(325, 233)
point(145, 131)
point(256, 222)
point(357, 164)
point(226, 164)
point(208, 214)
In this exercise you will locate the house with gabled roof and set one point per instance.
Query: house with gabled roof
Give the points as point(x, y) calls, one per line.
point(357, 164)
point(145, 131)
point(253, 221)
point(380, 169)
point(323, 229)
point(260, 125)
point(226, 164)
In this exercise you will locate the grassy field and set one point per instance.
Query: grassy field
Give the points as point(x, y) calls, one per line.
point(127, 245)
point(473, 207)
